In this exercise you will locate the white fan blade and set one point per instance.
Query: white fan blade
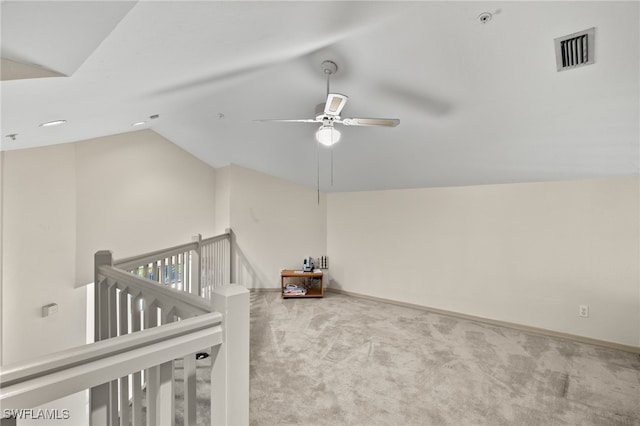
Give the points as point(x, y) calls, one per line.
point(304, 120)
point(335, 103)
point(388, 122)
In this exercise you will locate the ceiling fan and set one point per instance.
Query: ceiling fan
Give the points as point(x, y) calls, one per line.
point(328, 114)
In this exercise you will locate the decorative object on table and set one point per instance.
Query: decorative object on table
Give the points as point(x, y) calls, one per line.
point(307, 265)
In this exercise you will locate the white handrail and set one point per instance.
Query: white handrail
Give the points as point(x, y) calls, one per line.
point(51, 363)
point(31, 383)
point(141, 327)
point(186, 305)
point(133, 261)
point(197, 267)
point(210, 240)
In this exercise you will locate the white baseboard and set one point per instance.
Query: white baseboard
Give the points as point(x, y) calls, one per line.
point(520, 327)
point(515, 326)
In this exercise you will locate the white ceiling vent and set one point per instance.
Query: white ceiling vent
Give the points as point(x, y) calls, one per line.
point(575, 50)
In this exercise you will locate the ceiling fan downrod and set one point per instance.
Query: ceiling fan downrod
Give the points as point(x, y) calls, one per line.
point(329, 68)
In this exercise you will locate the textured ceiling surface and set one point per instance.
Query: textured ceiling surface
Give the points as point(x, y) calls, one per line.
point(479, 103)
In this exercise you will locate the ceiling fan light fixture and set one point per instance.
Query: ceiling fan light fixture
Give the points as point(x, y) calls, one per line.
point(327, 135)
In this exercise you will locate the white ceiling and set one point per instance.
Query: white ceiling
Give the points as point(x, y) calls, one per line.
point(478, 103)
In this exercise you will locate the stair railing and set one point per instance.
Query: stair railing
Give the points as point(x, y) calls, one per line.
point(197, 267)
point(98, 365)
point(139, 302)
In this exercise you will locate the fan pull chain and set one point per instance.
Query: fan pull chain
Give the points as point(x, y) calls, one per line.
point(318, 169)
point(331, 165)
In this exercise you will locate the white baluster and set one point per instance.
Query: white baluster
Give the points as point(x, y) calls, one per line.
point(152, 374)
point(189, 363)
point(216, 263)
point(124, 381)
point(136, 403)
point(186, 277)
point(165, 405)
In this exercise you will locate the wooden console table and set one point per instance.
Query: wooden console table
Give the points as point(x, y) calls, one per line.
point(316, 289)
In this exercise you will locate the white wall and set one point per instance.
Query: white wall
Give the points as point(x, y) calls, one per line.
point(276, 224)
point(128, 193)
point(523, 253)
point(38, 239)
point(138, 192)
point(39, 214)
point(223, 199)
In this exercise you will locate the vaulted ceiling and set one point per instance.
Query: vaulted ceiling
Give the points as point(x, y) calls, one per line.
point(478, 102)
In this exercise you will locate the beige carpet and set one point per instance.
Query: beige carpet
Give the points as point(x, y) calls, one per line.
point(347, 361)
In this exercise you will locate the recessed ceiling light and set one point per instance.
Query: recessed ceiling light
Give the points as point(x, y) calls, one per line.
point(53, 123)
point(485, 17)
point(139, 123)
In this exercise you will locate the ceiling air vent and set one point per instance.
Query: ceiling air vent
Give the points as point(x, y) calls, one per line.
point(575, 50)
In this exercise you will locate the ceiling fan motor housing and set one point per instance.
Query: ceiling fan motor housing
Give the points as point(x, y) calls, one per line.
point(329, 67)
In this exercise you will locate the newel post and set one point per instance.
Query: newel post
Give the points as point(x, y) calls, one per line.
point(196, 267)
point(100, 297)
point(230, 369)
point(102, 411)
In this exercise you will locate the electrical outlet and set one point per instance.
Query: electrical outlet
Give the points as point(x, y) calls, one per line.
point(583, 311)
